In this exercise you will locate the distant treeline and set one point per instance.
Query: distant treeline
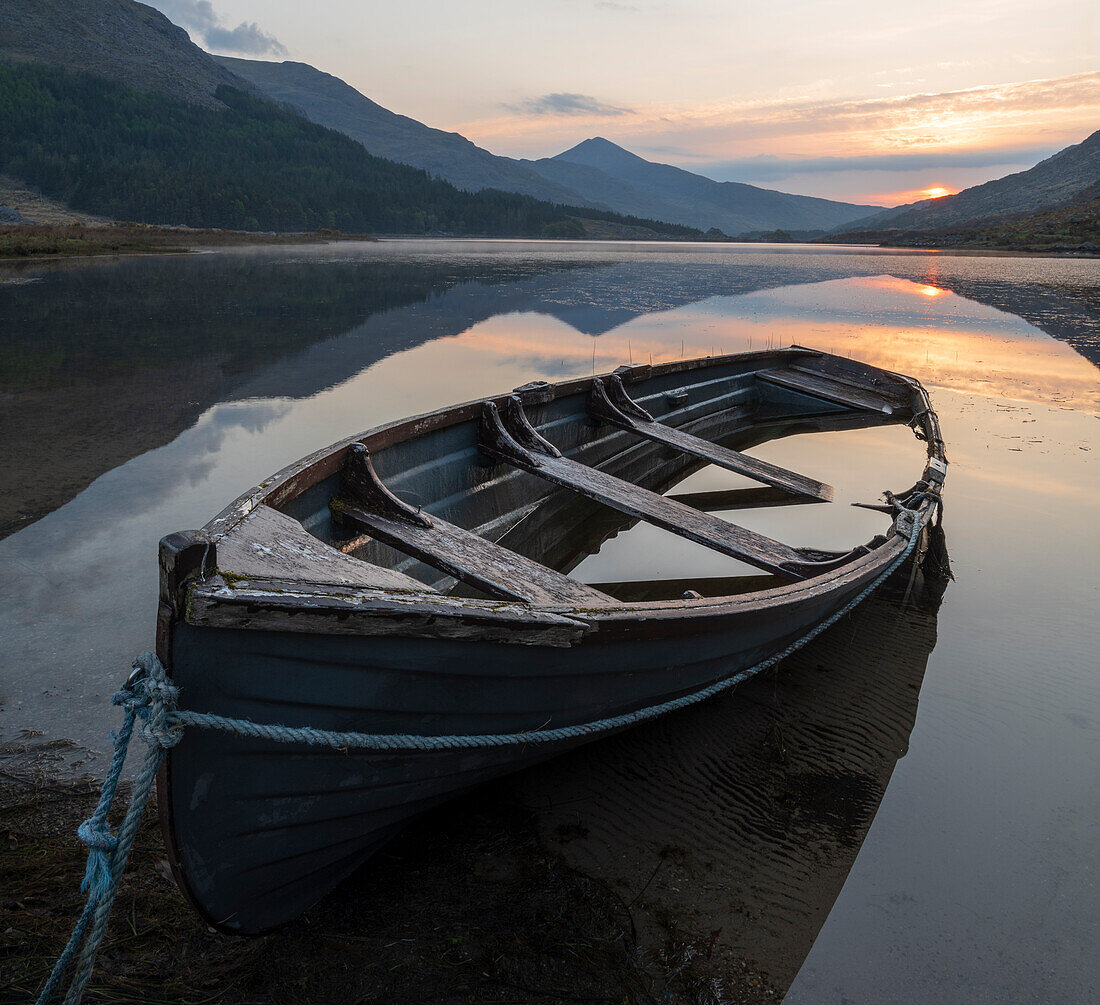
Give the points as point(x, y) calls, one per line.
point(108, 149)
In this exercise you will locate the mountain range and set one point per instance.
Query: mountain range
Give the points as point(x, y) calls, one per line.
point(583, 191)
point(595, 173)
point(328, 101)
point(109, 108)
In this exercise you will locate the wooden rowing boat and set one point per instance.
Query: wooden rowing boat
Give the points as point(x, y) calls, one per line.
point(414, 580)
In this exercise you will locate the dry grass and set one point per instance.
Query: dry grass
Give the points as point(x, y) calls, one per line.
point(25, 241)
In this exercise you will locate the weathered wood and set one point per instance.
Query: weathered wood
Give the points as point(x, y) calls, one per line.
point(183, 555)
point(474, 560)
point(818, 385)
point(609, 402)
point(359, 481)
point(728, 538)
point(637, 591)
point(305, 473)
point(290, 606)
point(270, 544)
point(727, 499)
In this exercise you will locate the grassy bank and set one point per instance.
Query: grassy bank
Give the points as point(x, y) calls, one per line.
point(25, 241)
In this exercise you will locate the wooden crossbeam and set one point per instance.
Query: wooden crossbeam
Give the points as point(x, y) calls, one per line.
point(727, 499)
point(499, 437)
point(826, 388)
point(609, 402)
point(471, 559)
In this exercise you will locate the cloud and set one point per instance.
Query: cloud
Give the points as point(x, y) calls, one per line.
point(564, 103)
point(1031, 114)
point(199, 18)
point(767, 167)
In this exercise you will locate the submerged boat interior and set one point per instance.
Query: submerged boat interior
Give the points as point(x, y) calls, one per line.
point(500, 499)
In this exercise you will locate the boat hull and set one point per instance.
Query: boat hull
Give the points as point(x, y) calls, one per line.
point(258, 831)
point(264, 829)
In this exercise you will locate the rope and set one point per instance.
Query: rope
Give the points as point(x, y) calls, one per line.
point(146, 699)
point(149, 702)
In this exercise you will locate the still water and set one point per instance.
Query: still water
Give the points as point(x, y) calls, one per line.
point(138, 396)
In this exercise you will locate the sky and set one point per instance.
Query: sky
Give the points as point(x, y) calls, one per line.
point(870, 101)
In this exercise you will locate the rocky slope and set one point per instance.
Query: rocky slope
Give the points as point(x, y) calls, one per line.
point(124, 41)
point(328, 101)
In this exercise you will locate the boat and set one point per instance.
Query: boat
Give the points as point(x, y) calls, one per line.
point(413, 580)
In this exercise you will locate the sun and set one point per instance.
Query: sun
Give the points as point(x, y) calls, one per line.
point(936, 192)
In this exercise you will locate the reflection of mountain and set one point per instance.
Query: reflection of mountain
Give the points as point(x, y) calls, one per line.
point(1069, 314)
point(595, 302)
point(99, 364)
point(745, 814)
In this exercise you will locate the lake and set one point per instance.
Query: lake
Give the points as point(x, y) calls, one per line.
point(905, 813)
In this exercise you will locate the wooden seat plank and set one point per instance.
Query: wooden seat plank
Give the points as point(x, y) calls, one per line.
point(827, 389)
point(475, 560)
point(734, 460)
point(753, 498)
point(693, 524)
point(366, 503)
point(610, 403)
point(268, 544)
point(515, 440)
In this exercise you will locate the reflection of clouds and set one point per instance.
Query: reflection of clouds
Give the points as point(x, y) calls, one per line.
point(917, 328)
point(80, 585)
point(253, 415)
point(141, 485)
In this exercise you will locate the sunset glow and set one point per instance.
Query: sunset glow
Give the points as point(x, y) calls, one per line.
point(862, 106)
point(907, 196)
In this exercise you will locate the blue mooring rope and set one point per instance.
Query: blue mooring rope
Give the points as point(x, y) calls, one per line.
point(149, 702)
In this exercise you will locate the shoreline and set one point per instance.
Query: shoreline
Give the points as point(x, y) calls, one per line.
point(473, 905)
point(19, 243)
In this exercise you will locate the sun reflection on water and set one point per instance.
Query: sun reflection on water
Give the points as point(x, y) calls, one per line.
point(929, 332)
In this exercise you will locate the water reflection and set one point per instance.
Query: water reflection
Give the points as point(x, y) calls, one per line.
point(104, 363)
point(729, 829)
point(135, 352)
point(100, 364)
point(148, 393)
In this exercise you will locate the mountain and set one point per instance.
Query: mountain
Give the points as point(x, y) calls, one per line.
point(123, 41)
point(328, 101)
point(112, 150)
point(604, 172)
point(1052, 182)
point(106, 106)
point(596, 173)
point(1070, 227)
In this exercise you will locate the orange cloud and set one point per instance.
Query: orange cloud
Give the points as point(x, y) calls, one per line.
point(912, 195)
point(1060, 110)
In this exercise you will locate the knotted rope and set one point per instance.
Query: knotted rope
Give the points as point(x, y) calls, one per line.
point(149, 702)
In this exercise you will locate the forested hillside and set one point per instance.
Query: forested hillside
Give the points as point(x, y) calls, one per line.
point(108, 149)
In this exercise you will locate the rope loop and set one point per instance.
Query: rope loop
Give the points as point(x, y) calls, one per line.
point(95, 834)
